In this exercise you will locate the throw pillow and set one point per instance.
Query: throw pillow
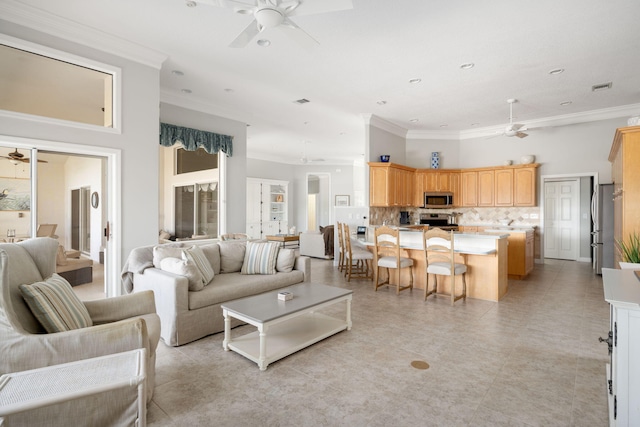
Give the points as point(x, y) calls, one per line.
point(195, 255)
point(260, 258)
point(168, 250)
point(286, 260)
point(184, 268)
point(232, 255)
point(61, 256)
point(55, 305)
point(212, 252)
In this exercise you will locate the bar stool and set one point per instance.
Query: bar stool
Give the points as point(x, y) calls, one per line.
point(357, 260)
point(440, 261)
point(387, 255)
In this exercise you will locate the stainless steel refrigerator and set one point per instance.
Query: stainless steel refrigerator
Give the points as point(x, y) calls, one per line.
point(602, 234)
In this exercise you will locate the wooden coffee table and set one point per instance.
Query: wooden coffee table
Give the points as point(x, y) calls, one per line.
point(294, 239)
point(284, 327)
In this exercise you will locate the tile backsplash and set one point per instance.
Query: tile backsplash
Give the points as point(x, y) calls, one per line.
point(521, 216)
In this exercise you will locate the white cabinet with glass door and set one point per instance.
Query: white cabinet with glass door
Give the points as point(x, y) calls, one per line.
point(267, 207)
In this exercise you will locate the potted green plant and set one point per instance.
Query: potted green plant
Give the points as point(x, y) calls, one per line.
point(630, 252)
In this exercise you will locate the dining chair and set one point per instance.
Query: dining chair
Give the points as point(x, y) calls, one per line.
point(358, 261)
point(388, 254)
point(341, 249)
point(440, 260)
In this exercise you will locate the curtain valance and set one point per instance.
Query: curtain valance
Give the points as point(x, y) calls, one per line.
point(192, 139)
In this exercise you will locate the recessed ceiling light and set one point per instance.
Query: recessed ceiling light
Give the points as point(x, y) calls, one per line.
point(343, 133)
point(301, 101)
point(475, 124)
point(565, 103)
point(229, 90)
point(414, 120)
point(177, 73)
point(185, 90)
point(444, 125)
point(415, 81)
point(264, 43)
point(381, 102)
point(191, 3)
point(556, 71)
point(467, 66)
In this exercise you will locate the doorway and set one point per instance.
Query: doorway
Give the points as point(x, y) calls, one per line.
point(50, 202)
point(318, 200)
point(566, 239)
point(561, 213)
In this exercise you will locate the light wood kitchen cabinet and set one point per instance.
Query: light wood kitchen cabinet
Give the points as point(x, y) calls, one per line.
point(524, 186)
point(469, 188)
point(486, 188)
point(520, 251)
point(625, 159)
point(434, 180)
point(390, 185)
point(504, 187)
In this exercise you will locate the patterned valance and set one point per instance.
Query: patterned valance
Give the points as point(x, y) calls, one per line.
point(192, 139)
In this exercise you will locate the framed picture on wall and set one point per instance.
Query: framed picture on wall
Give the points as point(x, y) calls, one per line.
point(342, 200)
point(15, 194)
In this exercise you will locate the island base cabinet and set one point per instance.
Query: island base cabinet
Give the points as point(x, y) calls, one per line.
point(622, 292)
point(486, 275)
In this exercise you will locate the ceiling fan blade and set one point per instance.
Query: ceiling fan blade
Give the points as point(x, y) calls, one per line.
point(521, 134)
point(313, 7)
point(517, 127)
point(246, 35)
point(298, 34)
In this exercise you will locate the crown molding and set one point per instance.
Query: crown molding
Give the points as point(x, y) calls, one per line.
point(191, 103)
point(562, 120)
point(380, 123)
point(39, 20)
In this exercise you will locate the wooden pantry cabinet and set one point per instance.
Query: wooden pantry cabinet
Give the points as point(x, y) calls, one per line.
point(391, 185)
point(625, 160)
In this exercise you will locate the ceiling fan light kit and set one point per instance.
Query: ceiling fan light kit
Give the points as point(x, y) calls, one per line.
point(269, 14)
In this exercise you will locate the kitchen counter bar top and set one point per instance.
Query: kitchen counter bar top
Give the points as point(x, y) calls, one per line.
point(484, 253)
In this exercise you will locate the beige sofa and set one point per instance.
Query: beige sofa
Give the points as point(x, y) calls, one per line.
point(187, 315)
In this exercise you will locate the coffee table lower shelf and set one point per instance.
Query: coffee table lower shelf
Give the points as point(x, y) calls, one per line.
point(287, 337)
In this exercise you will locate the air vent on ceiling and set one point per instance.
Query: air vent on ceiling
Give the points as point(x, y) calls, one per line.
point(603, 86)
point(301, 101)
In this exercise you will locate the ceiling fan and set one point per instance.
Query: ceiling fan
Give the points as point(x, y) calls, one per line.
point(304, 159)
point(276, 13)
point(16, 157)
point(514, 129)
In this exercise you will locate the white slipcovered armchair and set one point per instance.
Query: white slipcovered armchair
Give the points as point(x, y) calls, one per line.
point(119, 324)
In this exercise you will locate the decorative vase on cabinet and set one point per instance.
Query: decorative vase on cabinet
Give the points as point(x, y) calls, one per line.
point(435, 160)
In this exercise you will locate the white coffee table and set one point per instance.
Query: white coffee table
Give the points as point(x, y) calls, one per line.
point(284, 327)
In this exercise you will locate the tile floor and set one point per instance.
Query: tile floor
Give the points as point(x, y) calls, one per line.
point(531, 360)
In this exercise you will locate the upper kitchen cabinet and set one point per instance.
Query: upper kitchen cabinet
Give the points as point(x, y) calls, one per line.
point(468, 188)
point(524, 186)
point(515, 186)
point(624, 156)
point(391, 185)
point(486, 188)
point(435, 180)
point(499, 186)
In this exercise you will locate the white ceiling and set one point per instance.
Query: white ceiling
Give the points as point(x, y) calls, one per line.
point(369, 53)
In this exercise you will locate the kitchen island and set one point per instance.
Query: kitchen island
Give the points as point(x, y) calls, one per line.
point(485, 255)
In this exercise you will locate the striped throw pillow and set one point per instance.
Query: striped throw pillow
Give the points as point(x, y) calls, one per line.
point(260, 258)
point(55, 305)
point(196, 256)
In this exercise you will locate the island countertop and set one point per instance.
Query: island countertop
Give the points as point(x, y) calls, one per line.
point(485, 255)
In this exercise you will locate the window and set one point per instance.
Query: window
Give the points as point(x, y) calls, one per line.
point(196, 210)
point(50, 84)
point(194, 161)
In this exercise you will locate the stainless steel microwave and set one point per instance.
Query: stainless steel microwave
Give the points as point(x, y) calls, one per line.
point(438, 200)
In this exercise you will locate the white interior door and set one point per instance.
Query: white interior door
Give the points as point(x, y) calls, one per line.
point(562, 219)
